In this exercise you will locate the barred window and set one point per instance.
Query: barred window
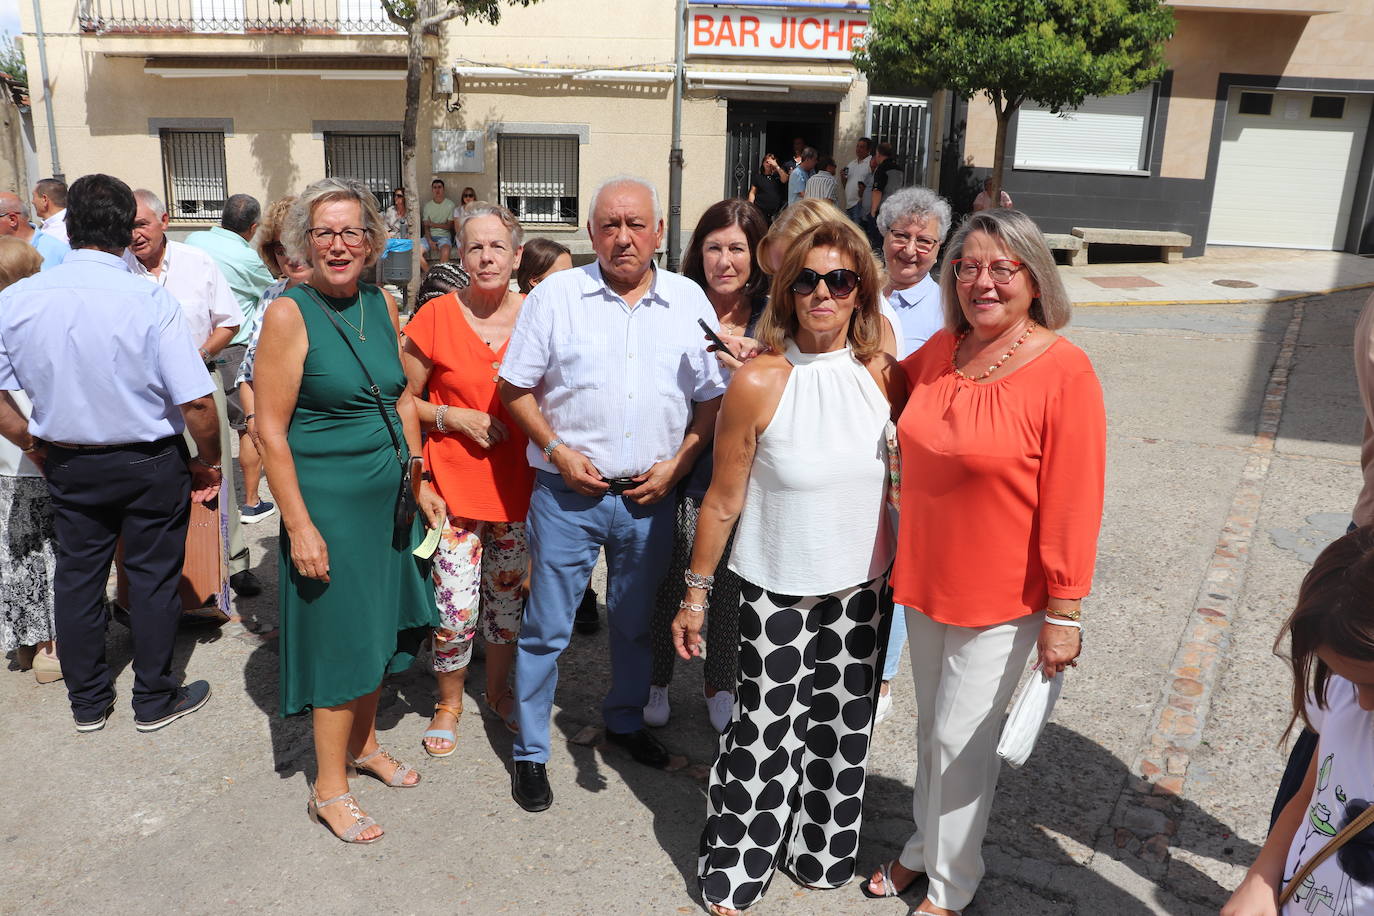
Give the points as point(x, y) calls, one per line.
point(193, 174)
point(373, 159)
point(538, 177)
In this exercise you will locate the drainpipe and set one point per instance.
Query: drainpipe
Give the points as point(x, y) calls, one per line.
point(675, 154)
point(47, 89)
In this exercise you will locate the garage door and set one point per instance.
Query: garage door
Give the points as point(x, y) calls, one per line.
point(1286, 172)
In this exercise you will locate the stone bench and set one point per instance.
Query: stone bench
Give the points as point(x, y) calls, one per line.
point(1067, 243)
point(1169, 243)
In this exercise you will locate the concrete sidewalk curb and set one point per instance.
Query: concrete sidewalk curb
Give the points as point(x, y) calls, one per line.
point(1144, 822)
point(1289, 298)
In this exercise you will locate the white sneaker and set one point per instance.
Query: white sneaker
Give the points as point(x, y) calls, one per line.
point(884, 707)
point(656, 711)
point(720, 708)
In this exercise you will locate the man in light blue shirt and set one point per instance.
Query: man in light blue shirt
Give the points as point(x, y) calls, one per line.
point(608, 374)
point(796, 181)
point(114, 377)
point(14, 221)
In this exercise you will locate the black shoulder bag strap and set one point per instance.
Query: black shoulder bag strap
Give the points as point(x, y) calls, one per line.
point(372, 386)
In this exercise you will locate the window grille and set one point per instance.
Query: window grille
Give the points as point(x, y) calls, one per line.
point(538, 177)
point(903, 123)
point(373, 159)
point(193, 173)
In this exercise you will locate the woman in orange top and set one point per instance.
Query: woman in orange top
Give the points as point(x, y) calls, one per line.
point(1003, 444)
point(453, 350)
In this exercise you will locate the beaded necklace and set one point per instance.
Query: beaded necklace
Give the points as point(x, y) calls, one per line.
point(954, 357)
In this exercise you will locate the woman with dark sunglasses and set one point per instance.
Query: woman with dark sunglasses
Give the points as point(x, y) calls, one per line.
point(801, 462)
point(1003, 453)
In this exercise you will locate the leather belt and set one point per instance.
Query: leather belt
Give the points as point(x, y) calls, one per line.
point(107, 447)
point(619, 485)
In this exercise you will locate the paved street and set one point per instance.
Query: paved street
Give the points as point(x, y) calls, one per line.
point(1215, 507)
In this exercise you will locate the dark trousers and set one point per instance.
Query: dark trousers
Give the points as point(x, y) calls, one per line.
point(141, 493)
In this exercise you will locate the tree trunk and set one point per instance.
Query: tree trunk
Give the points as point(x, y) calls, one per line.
point(1004, 113)
point(415, 63)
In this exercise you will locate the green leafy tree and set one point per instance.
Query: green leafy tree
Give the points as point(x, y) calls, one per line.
point(12, 59)
point(1054, 52)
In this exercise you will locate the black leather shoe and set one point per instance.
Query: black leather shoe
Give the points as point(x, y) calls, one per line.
point(643, 747)
point(587, 620)
point(245, 584)
point(189, 698)
point(529, 786)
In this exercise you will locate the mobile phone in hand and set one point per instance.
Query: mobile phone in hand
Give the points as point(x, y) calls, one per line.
point(714, 338)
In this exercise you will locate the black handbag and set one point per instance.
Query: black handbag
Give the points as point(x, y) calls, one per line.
point(408, 498)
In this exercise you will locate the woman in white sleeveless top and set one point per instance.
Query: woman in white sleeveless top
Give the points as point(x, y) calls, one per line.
point(801, 463)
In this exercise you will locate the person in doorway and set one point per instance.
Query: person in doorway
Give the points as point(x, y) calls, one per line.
point(984, 199)
point(50, 203)
point(823, 185)
point(107, 433)
point(437, 214)
point(230, 245)
point(768, 190)
point(14, 222)
point(858, 179)
point(887, 179)
point(796, 181)
point(798, 152)
point(214, 316)
point(588, 339)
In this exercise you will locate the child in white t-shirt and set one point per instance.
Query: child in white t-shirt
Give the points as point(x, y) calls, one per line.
point(1332, 645)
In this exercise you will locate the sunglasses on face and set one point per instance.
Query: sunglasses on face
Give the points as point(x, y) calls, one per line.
point(841, 282)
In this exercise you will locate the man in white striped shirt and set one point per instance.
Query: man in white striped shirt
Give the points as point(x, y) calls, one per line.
point(824, 185)
point(608, 375)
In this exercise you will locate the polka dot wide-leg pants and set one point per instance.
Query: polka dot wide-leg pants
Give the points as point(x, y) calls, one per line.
point(787, 787)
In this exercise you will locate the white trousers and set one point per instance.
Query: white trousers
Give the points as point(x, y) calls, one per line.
point(965, 677)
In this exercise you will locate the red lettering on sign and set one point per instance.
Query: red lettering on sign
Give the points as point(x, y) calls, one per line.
point(856, 32)
point(801, 33)
point(837, 33)
point(780, 40)
point(749, 30)
point(726, 34)
point(703, 30)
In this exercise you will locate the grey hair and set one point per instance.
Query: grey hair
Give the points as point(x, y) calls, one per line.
point(507, 218)
point(914, 203)
point(1051, 308)
point(616, 181)
point(295, 228)
point(151, 201)
point(19, 206)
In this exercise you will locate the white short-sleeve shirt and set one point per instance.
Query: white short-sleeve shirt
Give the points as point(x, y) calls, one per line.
point(616, 383)
point(196, 282)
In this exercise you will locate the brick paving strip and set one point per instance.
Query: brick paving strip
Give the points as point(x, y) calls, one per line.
point(1144, 820)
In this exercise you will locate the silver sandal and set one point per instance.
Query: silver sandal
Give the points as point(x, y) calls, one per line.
point(360, 821)
point(398, 777)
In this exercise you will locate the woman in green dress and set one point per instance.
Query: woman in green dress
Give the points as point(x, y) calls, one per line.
point(355, 602)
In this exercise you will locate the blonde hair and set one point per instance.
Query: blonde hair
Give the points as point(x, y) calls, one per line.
point(18, 259)
point(269, 230)
point(778, 324)
point(296, 227)
point(1052, 308)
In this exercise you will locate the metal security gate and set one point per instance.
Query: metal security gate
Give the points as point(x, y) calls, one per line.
point(373, 159)
point(905, 123)
point(745, 132)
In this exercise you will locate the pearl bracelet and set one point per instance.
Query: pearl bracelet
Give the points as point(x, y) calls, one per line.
point(1062, 622)
point(439, 417)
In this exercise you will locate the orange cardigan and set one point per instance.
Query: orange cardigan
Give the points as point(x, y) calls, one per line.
point(1002, 486)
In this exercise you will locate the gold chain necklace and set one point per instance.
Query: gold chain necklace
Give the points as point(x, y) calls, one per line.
point(362, 318)
point(954, 357)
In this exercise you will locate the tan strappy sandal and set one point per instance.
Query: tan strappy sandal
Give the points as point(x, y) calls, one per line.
point(398, 776)
point(360, 821)
point(445, 734)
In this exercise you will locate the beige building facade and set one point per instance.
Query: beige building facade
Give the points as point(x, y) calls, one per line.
point(203, 98)
point(1258, 134)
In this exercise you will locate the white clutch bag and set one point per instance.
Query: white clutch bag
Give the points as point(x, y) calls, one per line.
point(1028, 716)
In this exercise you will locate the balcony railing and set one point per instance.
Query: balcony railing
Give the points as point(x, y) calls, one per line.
point(229, 17)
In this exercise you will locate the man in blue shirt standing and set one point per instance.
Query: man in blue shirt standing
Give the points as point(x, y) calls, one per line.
point(608, 375)
point(14, 221)
point(106, 432)
point(796, 182)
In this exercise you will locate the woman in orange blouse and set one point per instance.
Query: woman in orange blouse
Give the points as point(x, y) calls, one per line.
point(453, 350)
point(1003, 444)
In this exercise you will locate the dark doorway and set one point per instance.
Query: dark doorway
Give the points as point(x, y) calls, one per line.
point(754, 128)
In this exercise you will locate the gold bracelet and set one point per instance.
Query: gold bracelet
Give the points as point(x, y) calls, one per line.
point(1075, 614)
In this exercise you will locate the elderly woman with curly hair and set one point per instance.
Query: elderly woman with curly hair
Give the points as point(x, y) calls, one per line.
point(337, 427)
point(1003, 446)
point(801, 462)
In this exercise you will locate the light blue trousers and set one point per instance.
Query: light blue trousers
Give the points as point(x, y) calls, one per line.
point(565, 530)
point(896, 643)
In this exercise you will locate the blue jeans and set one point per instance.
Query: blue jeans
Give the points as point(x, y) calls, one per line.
point(896, 643)
point(565, 531)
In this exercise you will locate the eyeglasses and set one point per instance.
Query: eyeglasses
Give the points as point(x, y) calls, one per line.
point(352, 236)
point(924, 244)
point(841, 282)
point(1001, 270)
point(398, 195)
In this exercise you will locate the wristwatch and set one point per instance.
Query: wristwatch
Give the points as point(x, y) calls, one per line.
point(548, 449)
point(1075, 614)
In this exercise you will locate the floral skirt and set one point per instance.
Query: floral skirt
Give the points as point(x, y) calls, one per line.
point(28, 561)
